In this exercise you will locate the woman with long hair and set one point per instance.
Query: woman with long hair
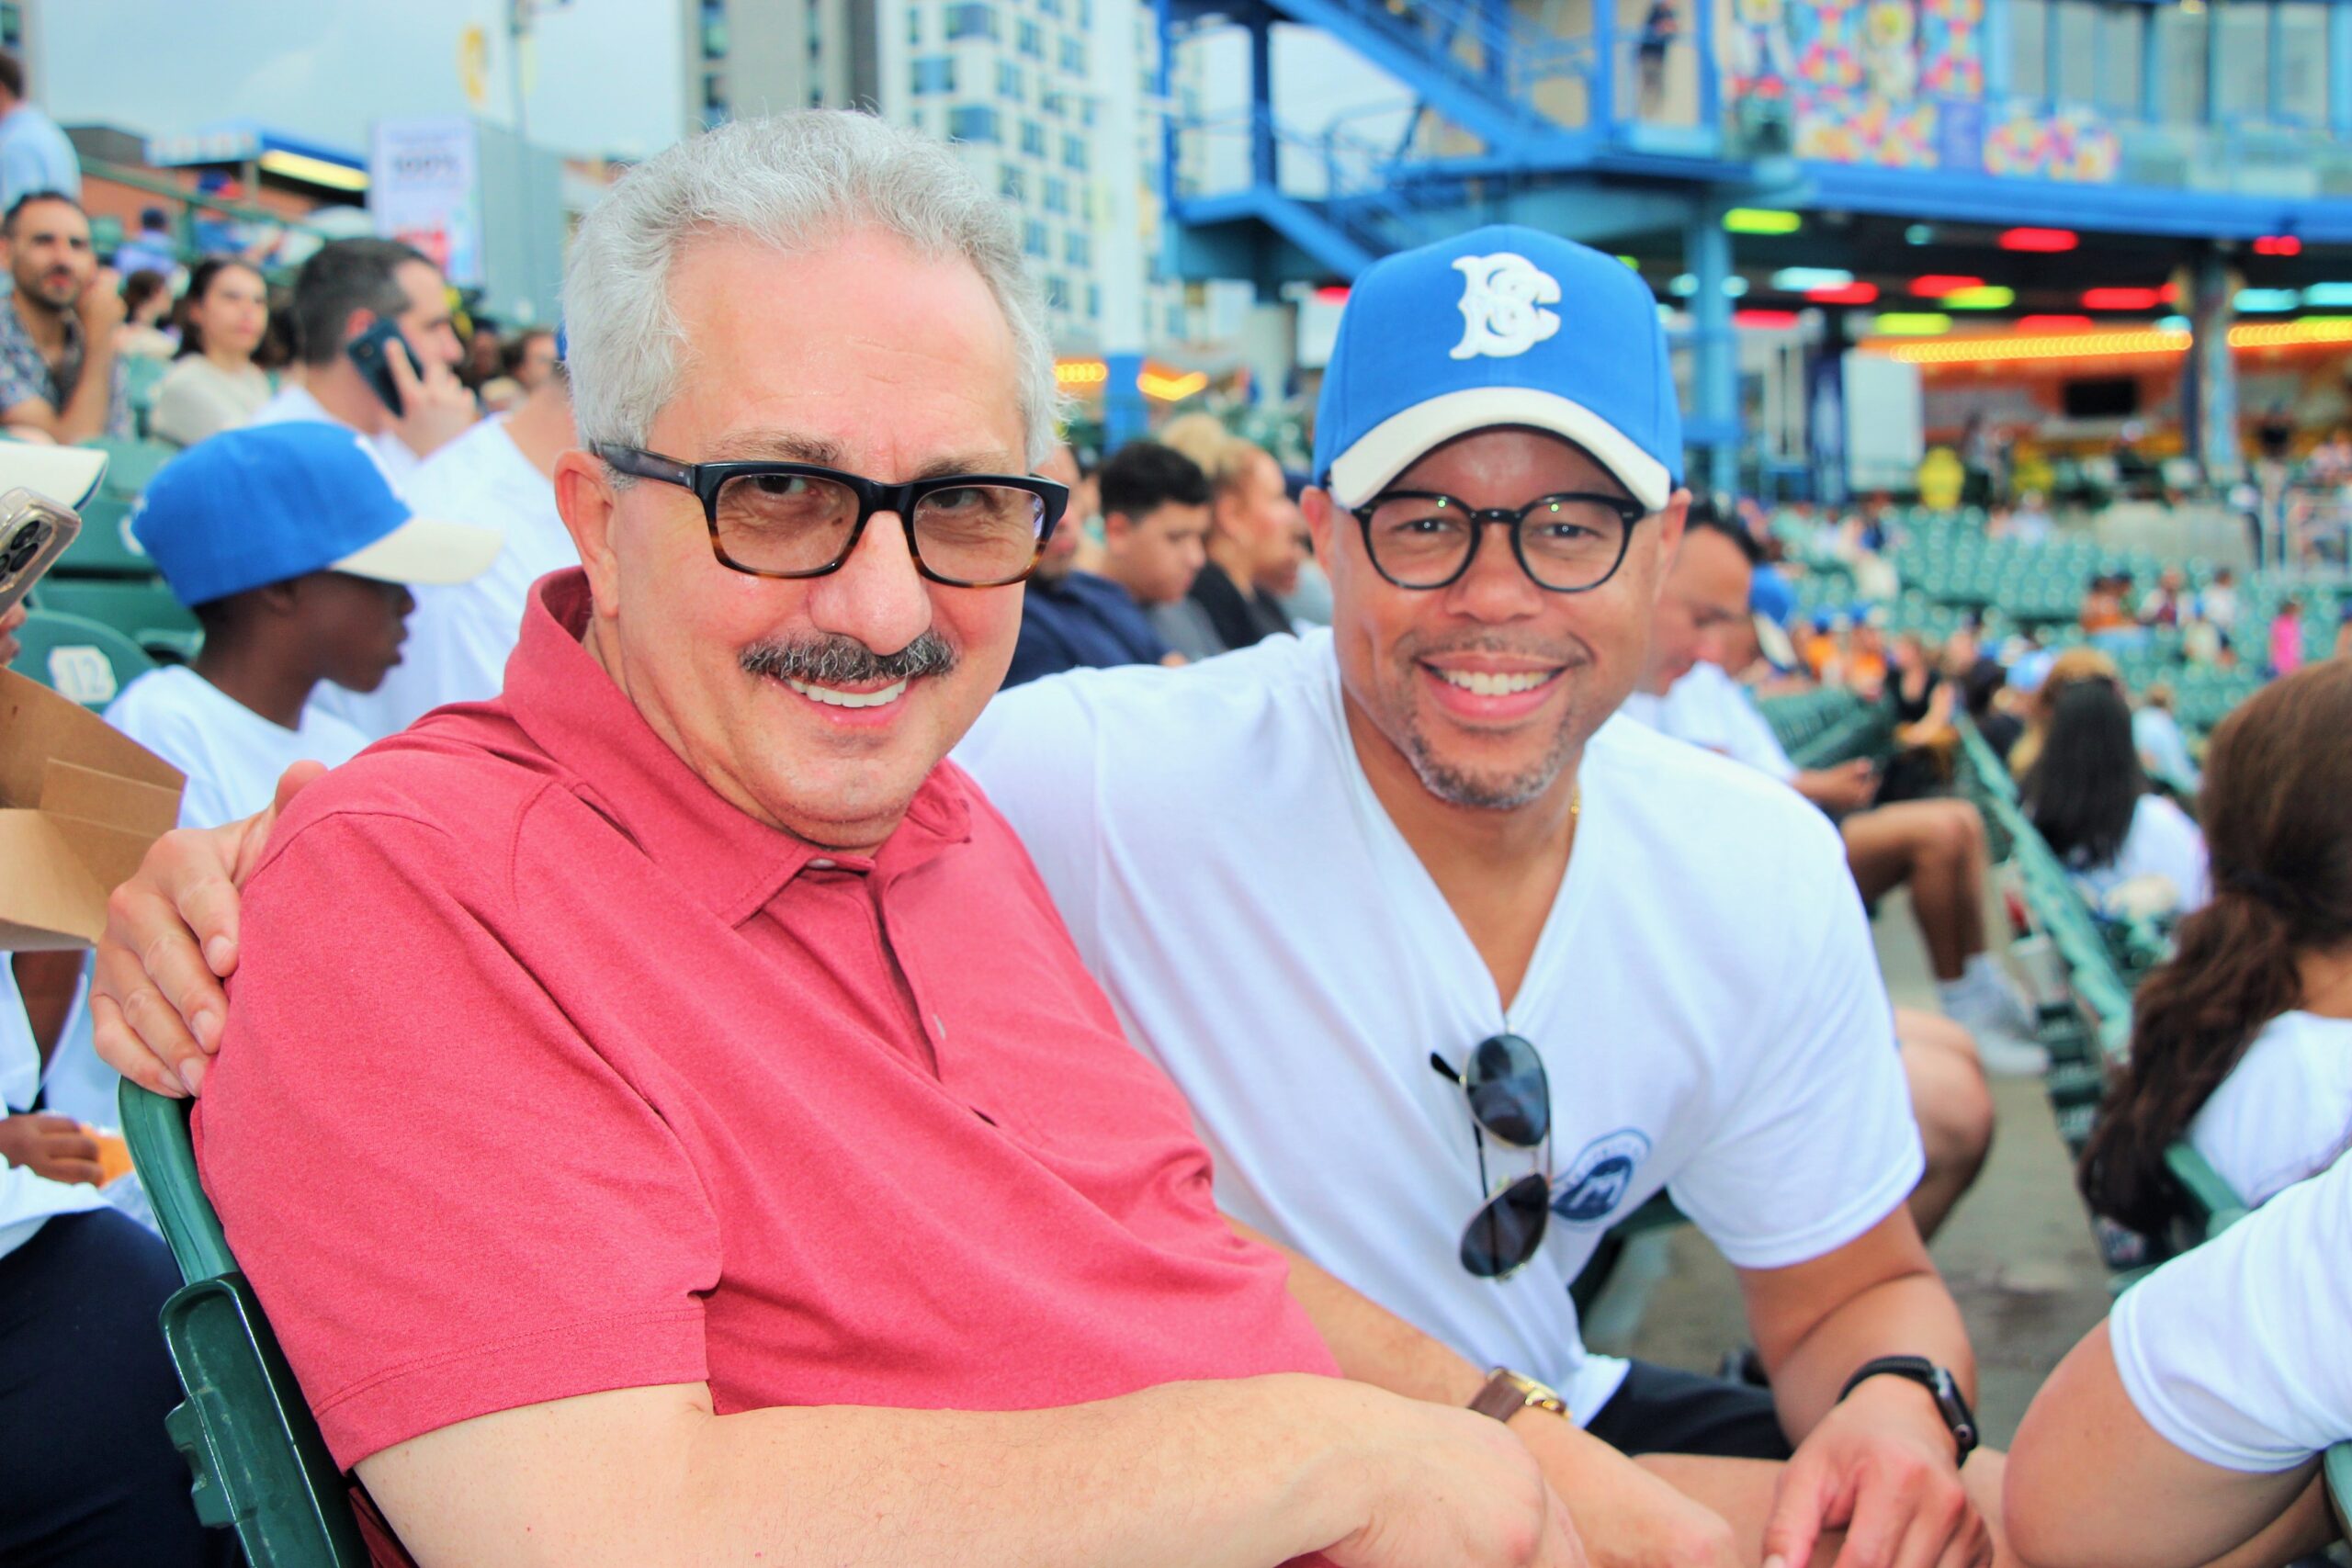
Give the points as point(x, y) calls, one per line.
point(2242, 1041)
point(2089, 796)
point(214, 385)
point(2066, 666)
point(2188, 1428)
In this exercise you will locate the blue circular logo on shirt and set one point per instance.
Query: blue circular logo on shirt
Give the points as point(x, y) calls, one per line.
point(1599, 1177)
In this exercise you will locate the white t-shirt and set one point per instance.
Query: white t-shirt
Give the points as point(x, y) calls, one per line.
point(2233, 1351)
point(1709, 709)
point(293, 403)
point(2162, 842)
point(232, 757)
point(26, 1200)
point(1703, 994)
point(2284, 1112)
point(459, 637)
point(230, 754)
point(198, 398)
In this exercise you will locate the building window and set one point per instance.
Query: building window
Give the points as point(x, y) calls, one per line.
point(1074, 55)
point(2180, 64)
point(972, 19)
point(1057, 293)
point(1086, 112)
point(1073, 152)
point(1033, 139)
point(2029, 48)
point(1033, 239)
point(2074, 52)
point(2119, 58)
point(1010, 183)
point(1086, 15)
point(2303, 49)
point(1076, 248)
point(972, 122)
point(1057, 194)
point(934, 73)
point(1031, 40)
point(1093, 300)
point(2245, 42)
point(1008, 80)
point(714, 29)
point(914, 23)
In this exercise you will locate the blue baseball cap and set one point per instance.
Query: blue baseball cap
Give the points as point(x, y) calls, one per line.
point(1501, 326)
point(267, 502)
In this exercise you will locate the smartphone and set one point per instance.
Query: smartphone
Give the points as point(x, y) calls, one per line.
point(369, 350)
point(34, 531)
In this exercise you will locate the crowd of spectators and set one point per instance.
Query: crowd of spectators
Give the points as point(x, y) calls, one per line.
point(1437, 948)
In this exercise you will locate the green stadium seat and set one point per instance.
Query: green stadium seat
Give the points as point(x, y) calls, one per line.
point(132, 463)
point(142, 609)
point(105, 547)
point(261, 1467)
point(78, 657)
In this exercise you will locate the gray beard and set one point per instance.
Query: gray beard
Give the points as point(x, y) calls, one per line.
point(1481, 793)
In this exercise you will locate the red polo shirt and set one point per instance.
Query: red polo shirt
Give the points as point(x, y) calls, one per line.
point(549, 1072)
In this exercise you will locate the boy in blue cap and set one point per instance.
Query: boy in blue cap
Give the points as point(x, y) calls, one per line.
point(290, 545)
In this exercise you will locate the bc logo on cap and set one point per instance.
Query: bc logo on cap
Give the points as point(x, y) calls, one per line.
point(1503, 297)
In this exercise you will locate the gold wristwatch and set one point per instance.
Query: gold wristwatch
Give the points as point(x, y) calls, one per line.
point(1507, 1393)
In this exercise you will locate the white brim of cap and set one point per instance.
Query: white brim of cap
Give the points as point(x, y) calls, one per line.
point(1398, 442)
point(66, 475)
point(423, 550)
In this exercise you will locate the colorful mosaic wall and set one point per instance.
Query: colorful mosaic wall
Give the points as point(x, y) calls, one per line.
point(1900, 84)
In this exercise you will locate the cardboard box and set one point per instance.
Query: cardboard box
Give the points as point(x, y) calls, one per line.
point(79, 804)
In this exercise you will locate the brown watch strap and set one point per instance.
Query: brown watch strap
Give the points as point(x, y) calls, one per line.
point(1507, 1393)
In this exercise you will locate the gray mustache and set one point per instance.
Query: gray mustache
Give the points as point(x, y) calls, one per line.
point(845, 661)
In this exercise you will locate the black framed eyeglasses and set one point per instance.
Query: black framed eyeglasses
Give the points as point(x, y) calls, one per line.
point(777, 519)
point(1567, 543)
point(1511, 1101)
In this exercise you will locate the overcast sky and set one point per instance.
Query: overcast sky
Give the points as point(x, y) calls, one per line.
point(604, 79)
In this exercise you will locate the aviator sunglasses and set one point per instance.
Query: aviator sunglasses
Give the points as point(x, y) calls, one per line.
point(1510, 1101)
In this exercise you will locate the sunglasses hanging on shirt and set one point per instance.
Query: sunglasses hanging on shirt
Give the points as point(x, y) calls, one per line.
point(1510, 1101)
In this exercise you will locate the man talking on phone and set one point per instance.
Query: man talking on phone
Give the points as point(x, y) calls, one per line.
point(400, 393)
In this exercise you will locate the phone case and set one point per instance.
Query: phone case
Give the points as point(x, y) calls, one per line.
point(367, 352)
point(34, 531)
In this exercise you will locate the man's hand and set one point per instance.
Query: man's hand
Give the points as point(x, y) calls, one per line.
point(101, 307)
point(53, 1146)
point(1848, 786)
point(1628, 1516)
point(1449, 1486)
point(435, 407)
point(1882, 1467)
point(156, 1005)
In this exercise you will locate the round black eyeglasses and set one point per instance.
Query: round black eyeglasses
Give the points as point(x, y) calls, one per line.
point(1569, 543)
point(777, 519)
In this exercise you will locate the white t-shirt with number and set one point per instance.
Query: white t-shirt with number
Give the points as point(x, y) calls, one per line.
point(1703, 994)
point(2233, 1351)
point(2284, 1112)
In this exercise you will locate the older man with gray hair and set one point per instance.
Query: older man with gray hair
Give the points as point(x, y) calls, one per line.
point(661, 1110)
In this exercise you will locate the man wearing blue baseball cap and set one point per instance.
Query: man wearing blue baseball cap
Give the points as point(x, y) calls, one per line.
point(1453, 872)
point(1438, 1037)
point(290, 545)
